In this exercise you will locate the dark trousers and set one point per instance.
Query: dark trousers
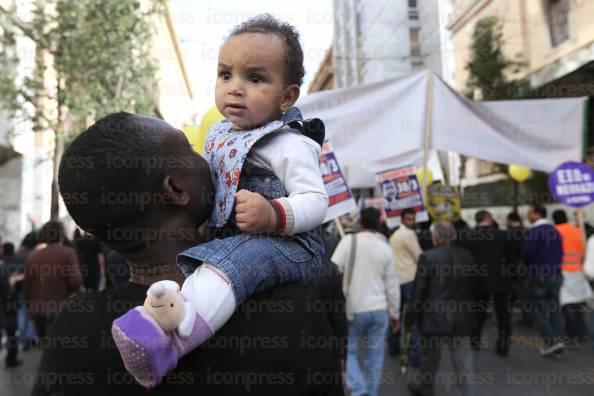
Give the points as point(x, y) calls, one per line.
point(503, 304)
point(42, 325)
point(575, 324)
point(12, 345)
point(422, 381)
point(394, 338)
point(543, 295)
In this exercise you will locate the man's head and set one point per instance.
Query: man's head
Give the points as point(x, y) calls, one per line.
point(514, 220)
point(559, 216)
point(483, 217)
point(30, 240)
point(408, 217)
point(7, 249)
point(389, 190)
point(370, 218)
point(259, 72)
point(130, 180)
point(443, 233)
point(52, 232)
point(536, 212)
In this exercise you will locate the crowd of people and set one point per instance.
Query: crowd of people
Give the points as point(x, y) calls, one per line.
point(452, 277)
point(37, 279)
point(416, 289)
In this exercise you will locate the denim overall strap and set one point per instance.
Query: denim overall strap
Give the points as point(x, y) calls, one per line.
point(226, 151)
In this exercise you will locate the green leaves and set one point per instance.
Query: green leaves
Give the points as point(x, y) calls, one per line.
point(98, 56)
point(489, 69)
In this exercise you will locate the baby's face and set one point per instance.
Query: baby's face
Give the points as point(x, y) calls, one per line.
point(251, 88)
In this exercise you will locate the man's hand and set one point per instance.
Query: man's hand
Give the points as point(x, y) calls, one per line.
point(254, 213)
point(14, 278)
point(394, 325)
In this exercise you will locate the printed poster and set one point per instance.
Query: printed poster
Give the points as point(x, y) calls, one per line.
point(443, 202)
point(400, 190)
point(341, 199)
point(572, 184)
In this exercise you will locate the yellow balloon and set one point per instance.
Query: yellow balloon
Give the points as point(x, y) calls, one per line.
point(420, 173)
point(191, 132)
point(197, 134)
point(519, 173)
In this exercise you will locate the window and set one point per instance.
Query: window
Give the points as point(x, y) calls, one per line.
point(360, 20)
point(557, 13)
point(415, 43)
point(413, 13)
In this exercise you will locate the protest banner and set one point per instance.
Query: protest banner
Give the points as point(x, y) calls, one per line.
point(340, 197)
point(572, 184)
point(400, 190)
point(443, 202)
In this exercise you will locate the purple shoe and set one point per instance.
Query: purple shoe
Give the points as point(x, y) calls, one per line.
point(147, 351)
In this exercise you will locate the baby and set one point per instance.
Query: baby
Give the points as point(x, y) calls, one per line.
point(270, 201)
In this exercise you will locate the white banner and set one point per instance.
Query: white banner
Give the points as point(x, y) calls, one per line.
point(380, 126)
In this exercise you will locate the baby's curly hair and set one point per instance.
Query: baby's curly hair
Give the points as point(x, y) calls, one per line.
point(266, 23)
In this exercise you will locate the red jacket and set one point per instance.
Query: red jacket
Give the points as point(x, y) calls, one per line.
point(52, 274)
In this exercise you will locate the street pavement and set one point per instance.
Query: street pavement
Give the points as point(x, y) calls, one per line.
point(523, 373)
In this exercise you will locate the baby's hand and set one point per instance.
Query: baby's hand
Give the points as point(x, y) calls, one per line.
point(254, 213)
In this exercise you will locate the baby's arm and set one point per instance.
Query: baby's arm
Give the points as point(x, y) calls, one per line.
point(294, 159)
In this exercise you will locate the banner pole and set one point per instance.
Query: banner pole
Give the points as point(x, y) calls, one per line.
point(427, 132)
point(339, 227)
point(581, 223)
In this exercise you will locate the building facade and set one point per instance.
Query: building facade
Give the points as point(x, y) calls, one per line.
point(375, 40)
point(324, 78)
point(553, 38)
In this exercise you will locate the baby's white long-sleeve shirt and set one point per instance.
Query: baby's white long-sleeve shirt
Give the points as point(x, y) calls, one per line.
point(295, 160)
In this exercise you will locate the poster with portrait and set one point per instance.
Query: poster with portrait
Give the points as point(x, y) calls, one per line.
point(443, 202)
point(340, 197)
point(401, 190)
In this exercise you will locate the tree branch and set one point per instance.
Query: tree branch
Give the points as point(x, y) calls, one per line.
point(21, 25)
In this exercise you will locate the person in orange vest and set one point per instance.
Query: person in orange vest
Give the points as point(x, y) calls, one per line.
point(576, 290)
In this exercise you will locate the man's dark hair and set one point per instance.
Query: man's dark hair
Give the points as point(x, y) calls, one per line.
point(481, 216)
point(30, 240)
point(370, 218)
point(111, 179)
point(267, 24)
point(407, 211)
point(7, 249)
point(514, 216)
point(539, 210)
point(559, 216)
point(52, 232)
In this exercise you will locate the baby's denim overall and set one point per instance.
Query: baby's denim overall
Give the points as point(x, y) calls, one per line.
point(255, 262)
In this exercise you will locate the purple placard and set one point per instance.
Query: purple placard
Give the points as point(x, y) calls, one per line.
point(572, 184)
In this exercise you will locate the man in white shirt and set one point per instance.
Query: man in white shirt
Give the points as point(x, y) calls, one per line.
point(371, 289)
point(406, 250)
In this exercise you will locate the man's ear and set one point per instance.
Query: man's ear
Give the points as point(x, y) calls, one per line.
point(174, 192)
point(290, 97)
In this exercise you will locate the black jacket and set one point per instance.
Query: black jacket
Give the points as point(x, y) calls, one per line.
point(328, 287)
point(492, 251)
point(442, 301)
point(9, 295)
point(275, 344)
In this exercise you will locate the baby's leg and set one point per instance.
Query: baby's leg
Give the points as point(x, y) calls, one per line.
point(150, 345)
point(253, 263)
point(211, 295)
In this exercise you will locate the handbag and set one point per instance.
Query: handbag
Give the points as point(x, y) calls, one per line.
point(348, 278)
